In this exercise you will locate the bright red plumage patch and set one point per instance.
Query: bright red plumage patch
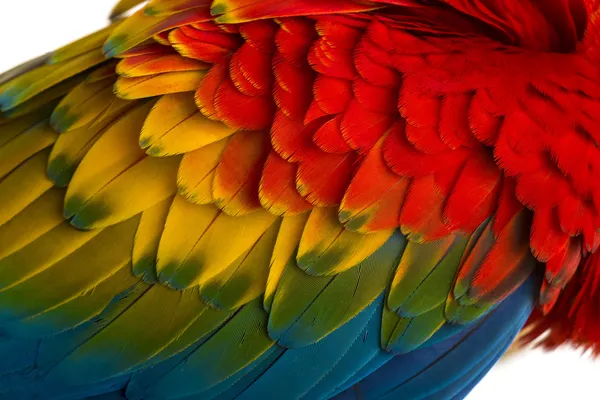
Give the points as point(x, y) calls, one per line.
point(575, 318)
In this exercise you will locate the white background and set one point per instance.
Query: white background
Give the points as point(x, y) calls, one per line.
point(29, 28)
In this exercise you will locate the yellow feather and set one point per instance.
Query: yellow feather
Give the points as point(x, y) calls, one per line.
point(175, 126)
point(35, 220)
point(162, 7)
point(197, 170)
point(181, 265)
point(114, 152)
point(184, 226)
point(131, 67)
point(327, 248)
point(30, 84)
point(42, 253)
point(123, 6)
point(82, 105)
point(72, 145)
point(81, 46)
point(138, 188)
point(245, 279)
point(240, 233)
point(106, 70)
point(210, 319)
point(27, 66)
point(236, 180)
point(164, 40)
point(285, 248)
point(425, 277)
point(140, 27)
point(24, 185)
point(156, 85)
point(47, 99)
point(147, 238)
point(24, 145)
point(24, 80)
point(403, 335)
point(71, 274)
point(11, 128)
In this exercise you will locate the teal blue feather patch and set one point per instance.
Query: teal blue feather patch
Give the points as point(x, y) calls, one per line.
point(295, 372)
point(17, 354)
point(113, 45)
point(433, 369)
point(364, 349)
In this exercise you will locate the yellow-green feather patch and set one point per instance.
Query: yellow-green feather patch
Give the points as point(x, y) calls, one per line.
point(327, 248)
point(245, 278)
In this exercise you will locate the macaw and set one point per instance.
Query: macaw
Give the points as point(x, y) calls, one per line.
point(299, 199)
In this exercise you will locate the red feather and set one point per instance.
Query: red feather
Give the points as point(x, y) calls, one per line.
point(373, 204)
point(278, 187)
point(211, 47)
point(205, 95)
point(547, 238)
point(241, 111)
point(235, 185)
point(292, 89)
point(454, 126)
point(405, 160)
point(474, 196)
point(506, 265)
point(361, 127)
point(421, 216)
point(332, 95)
point(323, 177)
point(329, 137)
point(291, 138)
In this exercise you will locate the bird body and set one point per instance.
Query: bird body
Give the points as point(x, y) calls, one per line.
point(299, 199)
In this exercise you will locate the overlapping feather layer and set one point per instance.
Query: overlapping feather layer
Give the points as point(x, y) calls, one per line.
point(270, 181)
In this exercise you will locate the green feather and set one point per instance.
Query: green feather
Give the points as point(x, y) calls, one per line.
point(306, 308)
point(425, 275)
point(234, 346)
point(76, 311)
point(55, 348)
point(208, 321)
point(155, 320)
point(403, 335)
point(49, 284)
point(24, 145)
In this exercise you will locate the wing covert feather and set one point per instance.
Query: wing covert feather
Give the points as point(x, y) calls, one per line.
point(231, 198)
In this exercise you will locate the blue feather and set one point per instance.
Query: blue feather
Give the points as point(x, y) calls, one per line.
point(17, 354)
point(296, 371)
point(465, 383)
point(145, 378)
point(373, 365)
point(362, 351)
point(433, 369)
point(232, 387)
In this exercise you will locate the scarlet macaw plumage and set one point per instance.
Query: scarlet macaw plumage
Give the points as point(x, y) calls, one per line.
point(299, 199)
